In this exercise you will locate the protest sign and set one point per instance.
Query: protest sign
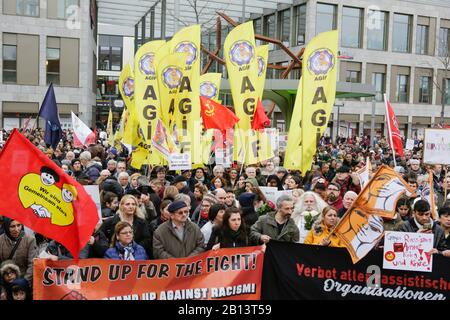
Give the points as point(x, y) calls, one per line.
point(180, 161)
point(408, 251)
point(436, 146)
point(272, 193)
point(409, 144)
point(223, 274)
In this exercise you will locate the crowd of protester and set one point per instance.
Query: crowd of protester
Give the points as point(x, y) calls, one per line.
point(153, 213)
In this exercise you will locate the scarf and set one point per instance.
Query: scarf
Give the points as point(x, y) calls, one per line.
point(128, 251)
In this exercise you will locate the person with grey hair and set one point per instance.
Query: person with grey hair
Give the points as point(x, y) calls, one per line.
point(70, 155)
point(218, 171)
point(276, 225)
point(92, 169)
point(124, 180)
point(111, 165)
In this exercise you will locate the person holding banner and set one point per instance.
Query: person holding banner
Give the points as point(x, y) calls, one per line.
point(123, 246)
point(178, 237)
point(320, 233)
point(232, 233)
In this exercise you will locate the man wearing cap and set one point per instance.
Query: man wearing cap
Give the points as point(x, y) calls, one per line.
point(348, 181)
point(178, 237)
point(180, 182)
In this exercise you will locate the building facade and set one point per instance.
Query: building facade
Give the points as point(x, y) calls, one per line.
point(399, 47)
point(43, 42)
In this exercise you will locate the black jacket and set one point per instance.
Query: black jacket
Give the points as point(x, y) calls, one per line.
point(227, 240)
point(439, 236)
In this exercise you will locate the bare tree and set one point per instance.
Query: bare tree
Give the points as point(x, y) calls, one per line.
point(444, 59)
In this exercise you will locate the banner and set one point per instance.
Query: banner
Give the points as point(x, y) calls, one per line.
point(298, 271)
point(147, 96)
point(436, 146)
point(210, 85)
point(187, 107)
point(224, 274)
point(293, 160)
point(319, 91)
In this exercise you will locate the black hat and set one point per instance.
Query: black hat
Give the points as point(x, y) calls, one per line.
point(176, 205)
point(343, 169)
point(144, 189)
point(178, 179)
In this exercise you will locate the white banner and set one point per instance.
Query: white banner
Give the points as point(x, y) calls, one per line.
point(436, 146)
point(94, 192)
point(180, 161)
point(408, 251)
point(272, 193)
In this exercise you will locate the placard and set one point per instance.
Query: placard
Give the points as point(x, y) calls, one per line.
point(180, 161)
point(272, 193)
point(408, 251)
point(436, 146)
point(409, 144)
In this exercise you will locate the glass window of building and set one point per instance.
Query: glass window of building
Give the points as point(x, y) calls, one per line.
point(401, 94)
point(401, 40)
point(352, 22)
point(424, 89)
point(326, 17)
point(257, 26)
point(27, 8)
point(378, 83)
point(422, 39)
point(269, 26)
point(300, 21)
point(443, 41)
point(285, 26)
point(9, 64)
point(110, 53)
point(64, 9)
point(53, 65)
point(353, 76)
point(447, 91)
point(377, 30)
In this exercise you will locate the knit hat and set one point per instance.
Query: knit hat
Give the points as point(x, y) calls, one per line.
point(176, 205)
point(210, 198)
point(252, 181)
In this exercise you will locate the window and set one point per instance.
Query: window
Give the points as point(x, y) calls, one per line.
point(9, 64)
point(401, 41)
point(27, 8)
point(424, 89)
point(353, 76)
point(401, 94)
point(110, 53)
point(269, 26)
point(62, 7)
point(53, 65)
point(257, 26)
point(378, 83)
point(376, 30)
point(443, 41)
point(447, 91)
point(300, 20)
point(422, 39)
point(326, 17)
point(285, 26)
point(352, 22)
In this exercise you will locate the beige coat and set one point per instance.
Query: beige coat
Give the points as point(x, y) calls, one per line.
point(23, 256)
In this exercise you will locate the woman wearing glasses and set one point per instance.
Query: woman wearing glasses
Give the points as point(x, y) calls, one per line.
point(123, 246)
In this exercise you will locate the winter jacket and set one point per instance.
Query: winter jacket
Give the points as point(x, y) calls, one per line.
point(24, 255)
point(100, 245)
point(320, 232)
point(112, 185)
point(117, 252)
point(226, 239)
point(93, 171)
point(166, 243)
point(267, 225)
point(62, 253)
point(248, 210)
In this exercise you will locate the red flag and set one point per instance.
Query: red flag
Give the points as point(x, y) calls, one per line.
point(395, 139)
point(260, 120)
point(39, 194)
point(216, 116)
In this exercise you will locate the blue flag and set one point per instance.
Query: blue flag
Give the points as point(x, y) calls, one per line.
point(49, 112)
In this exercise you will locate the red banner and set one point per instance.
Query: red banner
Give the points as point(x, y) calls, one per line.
point(395, 138)
point(223, 274)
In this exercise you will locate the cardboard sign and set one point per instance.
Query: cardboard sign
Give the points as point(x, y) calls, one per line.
point(436, 146)
point(272, 193)
point(408, 251)
point(223, 158)
point(180, 161)
point(409, 144)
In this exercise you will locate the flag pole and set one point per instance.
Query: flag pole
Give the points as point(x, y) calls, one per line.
point(389, 129)
point(445, 183)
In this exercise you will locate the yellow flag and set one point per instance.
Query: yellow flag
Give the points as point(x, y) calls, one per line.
point(118, 136)
point(242, 67)
point(319, 91)
point(262, 54)
point(109, 128)
point(210, 85)
point(187, 111)
point(147, 95)
point(293, 159)
point(126, 87)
